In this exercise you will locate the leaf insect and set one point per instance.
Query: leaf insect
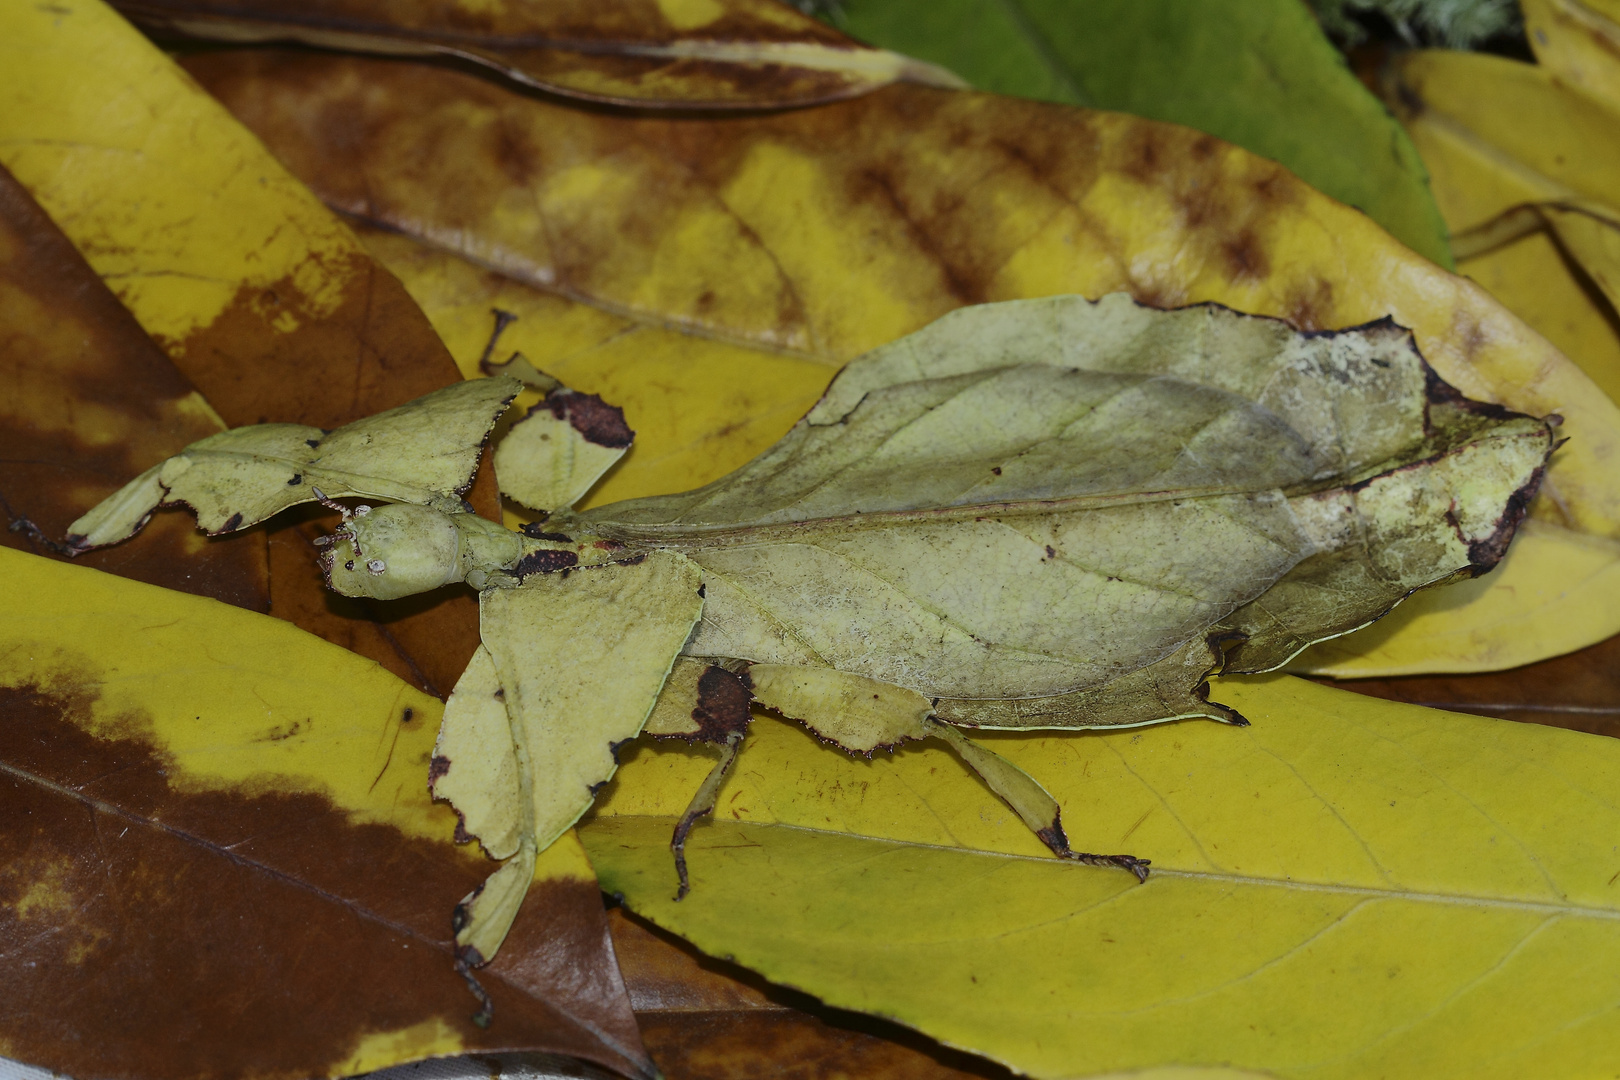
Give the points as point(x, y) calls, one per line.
point(1040, 514)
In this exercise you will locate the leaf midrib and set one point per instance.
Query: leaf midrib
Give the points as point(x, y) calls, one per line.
point(1457, 899)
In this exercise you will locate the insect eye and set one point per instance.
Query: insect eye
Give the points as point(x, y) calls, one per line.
point(376, 566)
point(362, 510)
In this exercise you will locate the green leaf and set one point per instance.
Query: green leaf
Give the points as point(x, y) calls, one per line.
point(1258, 73)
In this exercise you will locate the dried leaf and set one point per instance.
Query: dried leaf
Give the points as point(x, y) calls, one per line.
point(1260, 75)
point(221, 858)
point(702, 54)
point(1284, 879)
point(824, 233)
point(90, 402)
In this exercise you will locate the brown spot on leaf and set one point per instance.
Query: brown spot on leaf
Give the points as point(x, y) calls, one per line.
point(1246, 257)
point(545, 562)
point(593, 418)
point(722, 706)
point(437, 768)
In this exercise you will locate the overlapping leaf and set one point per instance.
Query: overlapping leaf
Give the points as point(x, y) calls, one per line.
point(1257, 74)
point(221, 857)
point(1579, 41)
point(1346, 887)
point(1518, 165)
point(819, 234)
point(727, 54)
point(260, 296)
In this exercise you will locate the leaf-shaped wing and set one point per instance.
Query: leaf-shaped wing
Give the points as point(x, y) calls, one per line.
point(425, 452)
point(1035, 500)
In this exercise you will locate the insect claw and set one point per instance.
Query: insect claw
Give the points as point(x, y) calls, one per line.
point(320, 497)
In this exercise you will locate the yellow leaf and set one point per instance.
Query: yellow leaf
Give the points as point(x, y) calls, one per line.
point(198, 789)
point(1347, 888)
point(815, 235)
point(728, 403)
point(1504, 144)
point(249, 283)
point(1579, 42)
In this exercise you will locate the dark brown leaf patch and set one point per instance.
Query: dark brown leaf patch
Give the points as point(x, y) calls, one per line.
point(707, 1019)
point(157, 933)
point(722, 712)
point(593, 418)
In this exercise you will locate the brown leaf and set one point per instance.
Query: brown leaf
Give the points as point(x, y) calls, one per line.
point(222, 858)
point(686, 54)
point(1579, 691)
point(90, 402)
point(706, 1019)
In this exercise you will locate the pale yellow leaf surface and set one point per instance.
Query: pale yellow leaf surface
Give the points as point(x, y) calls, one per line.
point(259, 294)
point(770, 236)
point(1579, 42)
point(1347, 888)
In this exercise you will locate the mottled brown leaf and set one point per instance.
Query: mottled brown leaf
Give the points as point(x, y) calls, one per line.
point(221, 858)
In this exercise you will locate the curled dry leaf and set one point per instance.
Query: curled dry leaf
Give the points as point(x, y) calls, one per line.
point(819, 234)
point(221, 859)
point(1420, 871)
point(90, 400)
point(705, 54)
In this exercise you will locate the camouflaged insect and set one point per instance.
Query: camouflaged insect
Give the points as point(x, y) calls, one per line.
point(1039, 514)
